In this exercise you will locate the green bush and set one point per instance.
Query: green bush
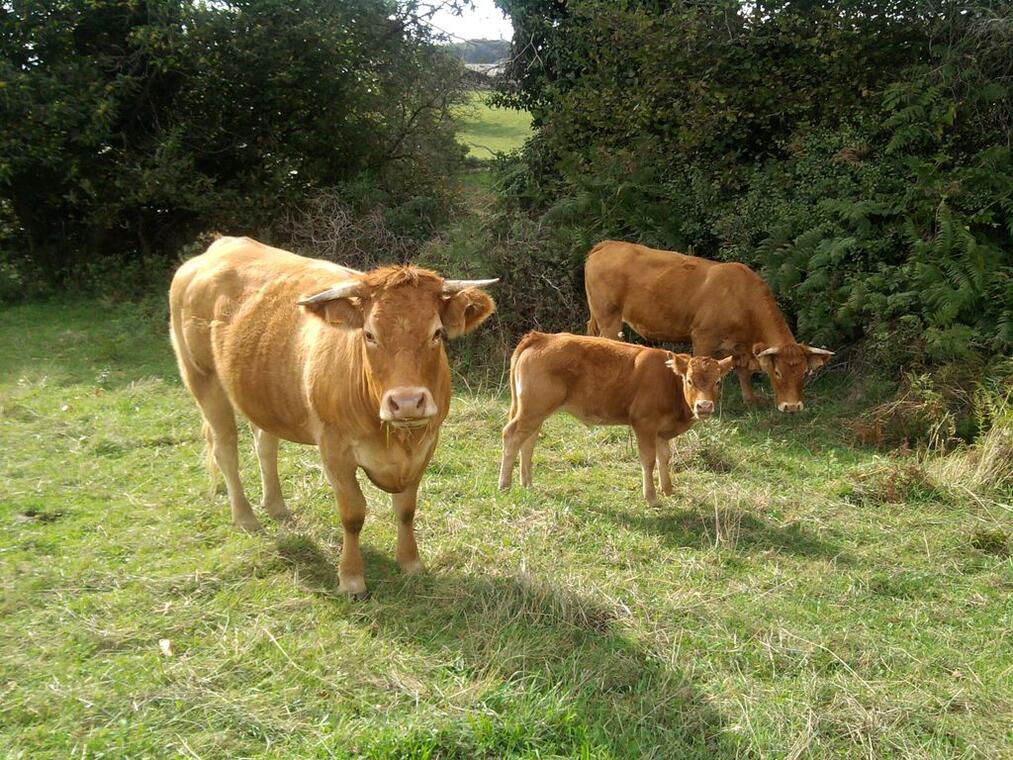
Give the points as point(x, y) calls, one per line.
point(856, 154)
point(128, 127)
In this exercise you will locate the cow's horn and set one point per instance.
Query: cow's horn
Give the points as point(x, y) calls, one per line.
point(453, 286)
point(772, 351)
point(820, 351)
point(344, 290)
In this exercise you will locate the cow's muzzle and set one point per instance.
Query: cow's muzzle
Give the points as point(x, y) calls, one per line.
point(407, 407)
point(703, 409)
point(790, 408)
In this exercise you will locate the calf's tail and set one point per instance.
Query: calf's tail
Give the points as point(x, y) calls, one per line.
point(524, 343)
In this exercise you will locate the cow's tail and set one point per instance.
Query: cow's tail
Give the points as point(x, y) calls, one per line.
point(522, 346)
point(593, 328)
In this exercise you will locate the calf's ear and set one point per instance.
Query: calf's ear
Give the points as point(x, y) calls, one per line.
point(816, 357)
point(339, 306)
point(679, 363)
point(465, 310)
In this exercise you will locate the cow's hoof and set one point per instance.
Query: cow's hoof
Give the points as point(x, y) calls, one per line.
point(654, 502)
point(248, 524)
point(414, 567)
point(282, 515)
point(504, 487)
point(362, 596)
point(354, 587)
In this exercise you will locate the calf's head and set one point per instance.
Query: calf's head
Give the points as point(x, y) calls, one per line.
point(787, 365)
point(701, 380)
point(401, 317)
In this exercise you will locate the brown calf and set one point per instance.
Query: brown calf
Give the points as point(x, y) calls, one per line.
point(603, 382)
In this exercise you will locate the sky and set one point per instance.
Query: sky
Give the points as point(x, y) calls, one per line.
point(484, 21)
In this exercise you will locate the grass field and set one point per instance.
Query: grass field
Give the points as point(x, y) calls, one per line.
point(487, 130)
point(797, 597)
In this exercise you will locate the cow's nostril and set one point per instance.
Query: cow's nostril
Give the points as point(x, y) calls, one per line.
point(393, 404)
point(421, 402)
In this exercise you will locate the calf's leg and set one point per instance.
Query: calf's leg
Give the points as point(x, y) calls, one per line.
point(407, 551)
point(340, 469)
point(527, 452)
point(664, 457)
point(647, 445)
point(517, 433)
point(267, 452)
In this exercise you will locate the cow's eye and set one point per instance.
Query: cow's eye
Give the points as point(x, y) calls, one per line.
point(370, 338)
point(440, 334)
point(777, 373)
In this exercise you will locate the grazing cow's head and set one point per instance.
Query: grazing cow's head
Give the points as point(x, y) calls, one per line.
point(701, 380)
point(402, 316)
point(787, 365)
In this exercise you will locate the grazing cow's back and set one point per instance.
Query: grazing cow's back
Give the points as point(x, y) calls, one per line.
point(316, 353)
point(604, 382)
point(725, 309)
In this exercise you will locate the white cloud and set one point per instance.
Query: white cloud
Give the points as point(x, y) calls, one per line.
point(484, 21)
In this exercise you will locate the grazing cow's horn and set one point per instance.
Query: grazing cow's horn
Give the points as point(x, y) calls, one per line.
point(344, 290)
point(820, 351)
point(453, 286)
point(772, 351)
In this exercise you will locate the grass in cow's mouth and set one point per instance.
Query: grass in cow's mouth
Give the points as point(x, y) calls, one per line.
point(798, 595)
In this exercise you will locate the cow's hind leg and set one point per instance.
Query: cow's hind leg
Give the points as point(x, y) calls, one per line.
point(221, 418)
point(267, 452)
point(527, 453)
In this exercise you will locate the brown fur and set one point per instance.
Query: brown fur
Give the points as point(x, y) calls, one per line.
point(725, 309)
point(308, 373)
point(604, 382)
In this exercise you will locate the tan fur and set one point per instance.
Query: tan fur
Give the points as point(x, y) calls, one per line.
point(307, 374)
point(725, 309)
point(604, 382)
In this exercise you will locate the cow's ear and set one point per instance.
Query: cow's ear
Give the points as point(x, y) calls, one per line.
point(465, 310)
point(759, 362)
point(816, 357)
point(679, 363)
point(726, 365)
point(336, 307)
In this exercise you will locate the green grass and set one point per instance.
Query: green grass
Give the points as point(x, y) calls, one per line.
point(486, 130)
point(783, 603)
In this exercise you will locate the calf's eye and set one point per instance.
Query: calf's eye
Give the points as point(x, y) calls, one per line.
point(370, 337)
point(440, 334)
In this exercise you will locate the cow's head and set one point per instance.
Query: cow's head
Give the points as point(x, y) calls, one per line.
point(701, 380)
point(402, 316)
point(787, 365)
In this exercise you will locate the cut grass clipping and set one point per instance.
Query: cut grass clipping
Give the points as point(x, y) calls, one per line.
point(798, 595)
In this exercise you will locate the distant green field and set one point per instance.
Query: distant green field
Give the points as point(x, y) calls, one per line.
point(487, 130)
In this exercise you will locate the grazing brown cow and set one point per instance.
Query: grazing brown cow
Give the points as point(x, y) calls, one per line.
point(723, 308)
point(603, 382)
point(317, 353)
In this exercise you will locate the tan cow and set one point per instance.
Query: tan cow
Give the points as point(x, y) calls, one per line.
point(317, 353)
point(603, 382)
point(723, 308)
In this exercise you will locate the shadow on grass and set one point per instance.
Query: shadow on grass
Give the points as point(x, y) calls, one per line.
point(699, 529)
point(554, 671)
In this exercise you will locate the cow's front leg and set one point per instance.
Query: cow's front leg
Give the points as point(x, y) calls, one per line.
point(647, 444)
point(340, 469)
point(407, 551)
point(746, 383)
point(664, 457)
